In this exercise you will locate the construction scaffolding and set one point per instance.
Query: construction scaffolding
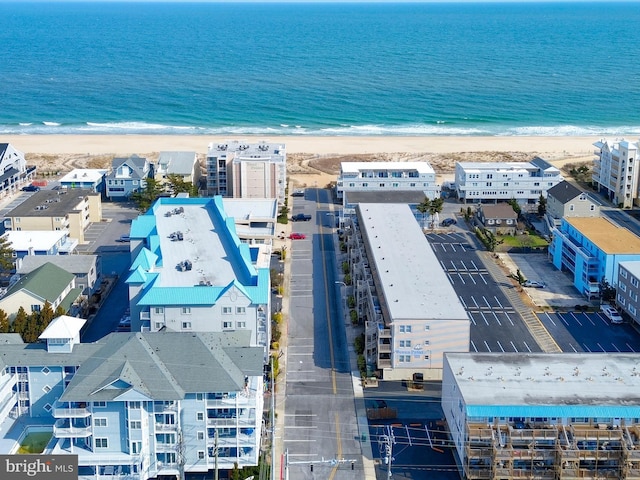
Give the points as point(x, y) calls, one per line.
point(552, 452)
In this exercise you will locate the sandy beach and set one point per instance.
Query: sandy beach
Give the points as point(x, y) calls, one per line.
point(310, 160)
point(129, 144)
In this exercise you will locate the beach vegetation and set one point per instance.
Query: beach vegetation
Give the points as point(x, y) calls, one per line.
point(178, 185)
point(144, 198)
point(542, 205)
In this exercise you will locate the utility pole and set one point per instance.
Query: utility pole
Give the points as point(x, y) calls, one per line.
point(215, 455)
point(286, 464)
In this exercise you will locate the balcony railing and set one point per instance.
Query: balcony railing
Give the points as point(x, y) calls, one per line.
point(71, 412)
point(66, 431)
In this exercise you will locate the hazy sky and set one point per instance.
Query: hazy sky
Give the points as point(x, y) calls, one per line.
point(327, 1)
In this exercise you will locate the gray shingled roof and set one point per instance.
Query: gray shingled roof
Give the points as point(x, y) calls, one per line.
point(134, 161)
point(564, 192)
point(71, 263)
point(165, 366)
point(178, 163)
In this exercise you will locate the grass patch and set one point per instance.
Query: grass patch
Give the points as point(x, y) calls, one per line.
point(532, 241)
point(35, 442)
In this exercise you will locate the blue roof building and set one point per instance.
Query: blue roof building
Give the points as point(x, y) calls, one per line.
point(190, 272)
point(591, 249)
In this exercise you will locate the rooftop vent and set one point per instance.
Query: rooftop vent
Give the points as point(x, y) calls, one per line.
point(185, 266)
point(176, 237)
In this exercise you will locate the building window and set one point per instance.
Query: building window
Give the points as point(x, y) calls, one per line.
point(200, 416)
point(46, 389)
point(426, 357)
point(426, 342)
point(47, 407)
point(99, 404)
point(200, 435)
point(240, 310)
point(102, 443)
point(200, 397)
point(405, 343)
point(99, 422)
point(623, 286)
point(134, 405)
point(571, 208)
point(592, 207)
point(634, 282)
point(158, 325)
point(186, 325)
point(135, 424)
point(241, 324)
point(200, 454)
point(404, 358)
point(632, 310)
point(46, 370)
point(227, 310)
point(186, 310)
point(36, 308)
point(159, 310)
point(136, 447)
point(623, 273)
point(227, 325)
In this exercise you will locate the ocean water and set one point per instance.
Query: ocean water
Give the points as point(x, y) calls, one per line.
point(320, 69)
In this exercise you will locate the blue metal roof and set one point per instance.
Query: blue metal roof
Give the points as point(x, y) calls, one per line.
point(554, 411)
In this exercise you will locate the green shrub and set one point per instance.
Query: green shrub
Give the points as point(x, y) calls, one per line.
point(345, 267)
point(351, 301)
point(358, 344)
point(347, 279)
point(354, 317)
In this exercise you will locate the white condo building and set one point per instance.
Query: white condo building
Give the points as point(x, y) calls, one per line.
point(238, 169)
point(616, 170)
point(377, 178)
point(485, 182)
point(411, 312)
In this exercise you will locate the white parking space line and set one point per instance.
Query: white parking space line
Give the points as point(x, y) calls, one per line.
point(482, 277)
point(630, 348)
point(586, 348)
point(515, 349)
point(475, 303)
point(487, 345)
point(575, 318)
point(550, 319)
point(473, 345)
point(563, 320)
point(573, 348)
point(486, 301)
point(614, 346)
point(498, 302)
point(589, 318)
point(601, 347)
point(463, 303)
point(510, 321)
point(303, 354)
point(525, 344)
point(496, 317)
point(500, 345)
point(484, 318)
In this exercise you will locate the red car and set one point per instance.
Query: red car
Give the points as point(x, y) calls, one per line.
point(297, 236)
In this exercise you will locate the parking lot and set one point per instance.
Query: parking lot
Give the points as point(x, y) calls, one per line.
point(495, 324)
point(589, 332)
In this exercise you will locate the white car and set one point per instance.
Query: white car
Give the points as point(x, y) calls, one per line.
point(533, 284)
point(612, 314)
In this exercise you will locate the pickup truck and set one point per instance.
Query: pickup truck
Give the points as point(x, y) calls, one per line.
point(301, 217)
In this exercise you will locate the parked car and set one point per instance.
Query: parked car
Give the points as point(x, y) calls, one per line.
point(533, 284)
point(297, 236)
point(31, 188)
point(125, 324)
point(612, 314)
point(448, 221)
point(123, 239)
point(301, 217)
point(298, 193)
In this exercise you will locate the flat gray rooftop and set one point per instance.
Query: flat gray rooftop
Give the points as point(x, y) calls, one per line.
point(56, 203)
point(415, 286)
point(204, 244)
point(574, 379)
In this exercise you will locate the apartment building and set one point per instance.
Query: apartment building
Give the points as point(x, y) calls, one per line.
point(40, 243)
point(239, 169)
point(369, 182)
point(86, 268)
point(135, 406)
point(411, 313)
point(47, 283)
point(628, 289)
point(85, 179)
point(616, 169)
point(492, 182)
point(128, 175)
point(190, 272)
point(70, 211)
point(15, 171)
point(567, 200)
point(591, 250)
point(181, 164)
point(543, 416)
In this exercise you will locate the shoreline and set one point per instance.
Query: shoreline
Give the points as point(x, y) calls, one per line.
point(557, 147)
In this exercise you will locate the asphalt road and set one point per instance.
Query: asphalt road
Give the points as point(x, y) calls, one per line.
point(320, 420)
